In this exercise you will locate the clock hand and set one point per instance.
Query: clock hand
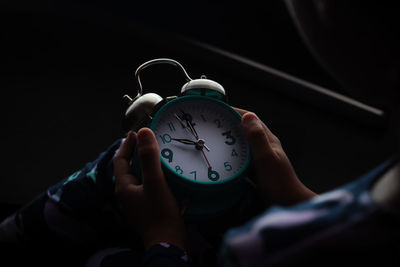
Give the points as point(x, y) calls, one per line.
point(190, 128)
point(199, 144)
point(180, 120)
point(185, 141)
point(205, 157)
point(206, 147)
point(189, 125)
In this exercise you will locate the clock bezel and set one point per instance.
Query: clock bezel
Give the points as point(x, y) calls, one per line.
point(236, 114)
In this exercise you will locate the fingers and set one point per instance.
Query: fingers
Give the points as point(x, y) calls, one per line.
point(241, 111)
point(153, 176)
point(122, 168)
point(268, 132)
point(258, 135)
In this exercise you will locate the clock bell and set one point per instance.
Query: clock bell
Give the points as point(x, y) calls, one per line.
point(143, 106)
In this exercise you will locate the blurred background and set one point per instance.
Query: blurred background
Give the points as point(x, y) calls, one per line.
point(65, 66)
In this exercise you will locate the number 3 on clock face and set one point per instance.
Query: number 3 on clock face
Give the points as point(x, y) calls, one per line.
point(201, 140)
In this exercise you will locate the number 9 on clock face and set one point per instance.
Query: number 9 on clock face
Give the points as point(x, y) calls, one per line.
point(201, 140)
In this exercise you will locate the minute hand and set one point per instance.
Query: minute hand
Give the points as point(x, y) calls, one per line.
point(189, 123)
point(188, 126)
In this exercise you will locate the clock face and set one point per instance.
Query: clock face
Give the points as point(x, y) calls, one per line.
point(201, 140)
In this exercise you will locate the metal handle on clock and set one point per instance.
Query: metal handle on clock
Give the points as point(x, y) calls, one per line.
point(158, 61)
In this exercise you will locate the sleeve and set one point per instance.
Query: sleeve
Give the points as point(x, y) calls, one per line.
point(164, 254)
point(331, 223)
point(78, 212)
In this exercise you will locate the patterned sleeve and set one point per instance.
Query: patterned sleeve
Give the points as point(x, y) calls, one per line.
point(344, 222)
point(79, 212)
point(78, 218)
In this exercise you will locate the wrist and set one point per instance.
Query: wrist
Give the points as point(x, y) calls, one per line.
point(157, 236)
point(177, 243)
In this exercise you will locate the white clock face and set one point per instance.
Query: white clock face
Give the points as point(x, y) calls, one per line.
point(201, 139)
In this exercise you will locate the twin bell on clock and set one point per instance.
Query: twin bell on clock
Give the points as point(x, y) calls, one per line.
point(203, 151)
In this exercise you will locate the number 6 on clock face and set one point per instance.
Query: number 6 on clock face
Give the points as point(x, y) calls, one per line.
point(201, 140)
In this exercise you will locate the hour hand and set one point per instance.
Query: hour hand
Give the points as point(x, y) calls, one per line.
point(184, 141)
point(199, 144)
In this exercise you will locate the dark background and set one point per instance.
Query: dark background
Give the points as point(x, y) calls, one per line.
point(65, 66)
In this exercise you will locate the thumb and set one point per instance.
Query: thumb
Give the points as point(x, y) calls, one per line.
point(153, 176)
point(258, 137)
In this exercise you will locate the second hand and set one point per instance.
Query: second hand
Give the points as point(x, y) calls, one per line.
point(205, 157)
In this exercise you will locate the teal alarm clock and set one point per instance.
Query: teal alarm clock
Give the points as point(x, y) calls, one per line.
point(203, 150)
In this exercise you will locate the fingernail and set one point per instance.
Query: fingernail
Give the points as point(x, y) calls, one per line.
point(145, 135)
point(130, 137)
point(133, 135)
point(250, 119)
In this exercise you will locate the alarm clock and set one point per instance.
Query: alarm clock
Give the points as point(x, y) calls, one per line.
point(203, 151)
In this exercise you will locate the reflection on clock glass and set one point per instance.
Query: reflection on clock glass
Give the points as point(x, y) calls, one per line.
point(201, 139)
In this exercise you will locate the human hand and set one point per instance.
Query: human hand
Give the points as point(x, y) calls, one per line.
point(275, 176)
point(150, 205)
